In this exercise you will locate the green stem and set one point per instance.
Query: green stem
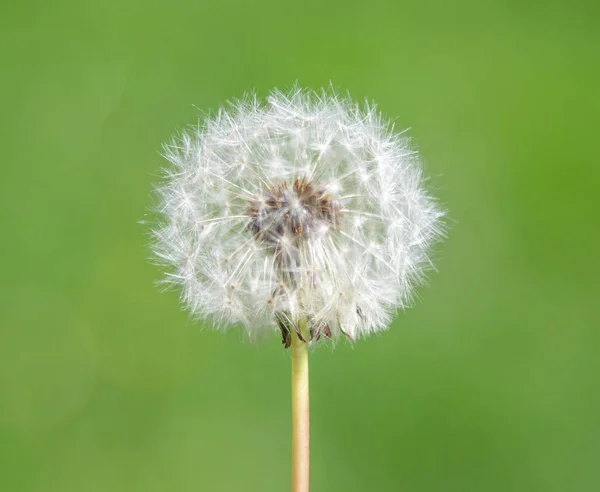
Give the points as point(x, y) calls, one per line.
point(300, 410)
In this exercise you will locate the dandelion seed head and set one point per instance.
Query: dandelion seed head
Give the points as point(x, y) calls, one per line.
point(305, 206)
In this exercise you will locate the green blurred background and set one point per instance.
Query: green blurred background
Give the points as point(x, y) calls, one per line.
point(490, 383)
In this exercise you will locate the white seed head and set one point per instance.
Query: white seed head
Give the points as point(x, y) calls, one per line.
point(303, 207)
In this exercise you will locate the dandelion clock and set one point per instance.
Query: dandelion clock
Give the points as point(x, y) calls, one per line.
point(303, 215)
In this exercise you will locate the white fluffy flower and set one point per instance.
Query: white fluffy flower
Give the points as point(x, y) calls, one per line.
point(306, 207)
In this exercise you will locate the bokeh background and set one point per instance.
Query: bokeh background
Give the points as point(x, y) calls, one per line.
point(491, 382)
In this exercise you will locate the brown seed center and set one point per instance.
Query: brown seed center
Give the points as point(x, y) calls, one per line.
point(295, 213)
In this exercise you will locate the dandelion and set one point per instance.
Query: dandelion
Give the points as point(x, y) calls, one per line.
point(305, 215)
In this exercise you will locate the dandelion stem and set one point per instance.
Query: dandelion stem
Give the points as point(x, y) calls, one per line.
point(300, 411)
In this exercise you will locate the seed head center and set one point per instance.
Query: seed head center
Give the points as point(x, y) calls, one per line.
point(293, 213)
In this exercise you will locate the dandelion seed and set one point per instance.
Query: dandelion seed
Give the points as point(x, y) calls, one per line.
point(303, 207)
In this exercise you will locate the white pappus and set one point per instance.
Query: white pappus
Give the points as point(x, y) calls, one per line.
point(306, 206)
